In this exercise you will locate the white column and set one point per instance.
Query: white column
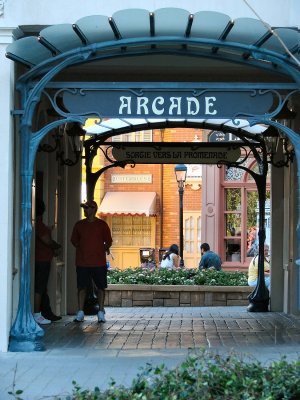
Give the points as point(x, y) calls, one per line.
point(6, 188)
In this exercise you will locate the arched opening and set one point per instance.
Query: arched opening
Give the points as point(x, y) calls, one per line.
point(184, 46)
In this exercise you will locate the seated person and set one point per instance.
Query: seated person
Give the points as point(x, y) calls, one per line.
point(253, 269)
point(209, 259)
point(171, 258)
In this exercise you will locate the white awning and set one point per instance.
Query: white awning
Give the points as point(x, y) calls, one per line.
point(128, 203)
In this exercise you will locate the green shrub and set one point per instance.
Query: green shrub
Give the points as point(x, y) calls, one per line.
point(207, 376)
point(177, 277)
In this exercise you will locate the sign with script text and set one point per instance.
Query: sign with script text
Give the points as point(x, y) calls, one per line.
point(159, 103)
point(178, 153)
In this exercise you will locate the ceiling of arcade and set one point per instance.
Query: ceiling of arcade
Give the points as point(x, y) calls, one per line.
point(168, 68)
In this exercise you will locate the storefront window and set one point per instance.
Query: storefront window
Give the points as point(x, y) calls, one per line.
point(233, 224)
point(241, 214)
point(253, 221)
point(131, 231)
point(233, 199)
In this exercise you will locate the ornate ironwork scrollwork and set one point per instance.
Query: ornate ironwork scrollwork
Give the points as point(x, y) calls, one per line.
point(73, 132)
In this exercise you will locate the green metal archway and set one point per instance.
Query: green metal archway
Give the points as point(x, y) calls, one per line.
point(133, 34)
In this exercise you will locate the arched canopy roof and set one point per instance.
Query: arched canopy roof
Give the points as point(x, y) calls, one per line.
point(138, 31)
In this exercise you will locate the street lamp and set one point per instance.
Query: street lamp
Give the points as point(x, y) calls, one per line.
point(180, 173)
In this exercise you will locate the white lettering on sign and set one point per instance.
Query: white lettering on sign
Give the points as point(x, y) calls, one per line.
point(196, 109)
point(160, 100)
point(142, 104)
point(125, 103)
point(131, 178)
point(176, 105)
point(209, 104)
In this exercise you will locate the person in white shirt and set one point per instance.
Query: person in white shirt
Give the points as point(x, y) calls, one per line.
point(171, 258)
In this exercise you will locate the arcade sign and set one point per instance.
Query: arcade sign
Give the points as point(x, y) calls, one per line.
point(167, 104)
point(176, 153)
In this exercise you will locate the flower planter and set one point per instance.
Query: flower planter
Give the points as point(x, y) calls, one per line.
point(123, 295)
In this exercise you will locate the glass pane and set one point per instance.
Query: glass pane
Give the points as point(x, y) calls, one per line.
point(233, 249)
point(131, 231)
point(198, 233)
point(252, 209)
point(253, 221)
point(233, 199)
point(232, 224)
point(188, 234)
point(233, 174)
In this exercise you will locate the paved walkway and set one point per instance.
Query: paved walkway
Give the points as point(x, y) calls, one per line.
point(92, 353)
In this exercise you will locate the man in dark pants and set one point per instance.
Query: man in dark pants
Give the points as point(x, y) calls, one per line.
point(46, 309)
point(45, 249)
point(92, 238)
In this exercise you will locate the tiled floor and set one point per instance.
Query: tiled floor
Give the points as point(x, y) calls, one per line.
point(169, 328)
point(91, 353)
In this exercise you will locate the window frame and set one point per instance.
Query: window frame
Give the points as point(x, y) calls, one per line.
point(245, 185)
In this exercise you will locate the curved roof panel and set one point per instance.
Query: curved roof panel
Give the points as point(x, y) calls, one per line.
point(61, 37)
point(172, 29)
point(29, 51)
point(170, 21)
point(132, 22)
point(209, 24)
point(247, 30)
point(290, 37)
point(95, 28)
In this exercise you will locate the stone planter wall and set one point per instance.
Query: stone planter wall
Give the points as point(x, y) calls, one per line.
point(176, 295)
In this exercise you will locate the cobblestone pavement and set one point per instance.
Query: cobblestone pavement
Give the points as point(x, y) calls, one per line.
point(92, 353)
point(175, 328)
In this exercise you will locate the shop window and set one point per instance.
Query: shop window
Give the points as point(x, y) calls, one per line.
point(131, 231)
point(253, 221)
point(189, 226)
point(233, 224)
point(241, 214)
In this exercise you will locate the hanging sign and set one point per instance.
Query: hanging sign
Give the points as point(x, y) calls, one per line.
point(159, 103)
point(217, 137)
point(178, 153)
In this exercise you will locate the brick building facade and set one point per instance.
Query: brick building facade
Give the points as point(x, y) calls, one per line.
point(164, 184)
point(206, 217)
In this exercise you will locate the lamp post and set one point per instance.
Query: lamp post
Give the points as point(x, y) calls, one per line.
point(180, 173)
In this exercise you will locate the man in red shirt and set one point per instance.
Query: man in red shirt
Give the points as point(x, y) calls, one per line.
point(92, 239)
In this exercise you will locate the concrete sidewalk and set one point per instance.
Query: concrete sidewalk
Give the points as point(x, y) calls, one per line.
point(92, 353)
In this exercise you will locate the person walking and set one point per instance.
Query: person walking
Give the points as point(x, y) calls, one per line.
point(92, 239)
point(253, 269)
point(45, 249)
point(209, 259)
point(171, 258)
